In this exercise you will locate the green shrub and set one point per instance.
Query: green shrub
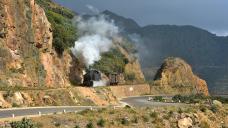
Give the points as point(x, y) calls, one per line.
point(124, 121)
point(77, 126)
point(101, 123)
point(15, 105)
point(57, 124)
point(196, 98)
point(90, 125)
point(24, 123)
point(177, 98)
point(158, 98)
point(102, 110)
point(180, 110)
point(84, 112)
point(145, 118)
point(167, 117)
point(111, 62)
point(154, 114)
point(214, 108)
point(203, 108)
point(127, 107)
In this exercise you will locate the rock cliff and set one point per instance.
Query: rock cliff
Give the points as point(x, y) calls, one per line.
point(176, 74)
point(26, 55)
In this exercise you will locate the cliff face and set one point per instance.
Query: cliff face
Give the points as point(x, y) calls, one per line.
point(176, 74)
point(26, 55)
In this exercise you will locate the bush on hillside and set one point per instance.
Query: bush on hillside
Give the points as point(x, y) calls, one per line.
point(24, 123)
point(190, 98)
point(101, 122)
point(158, 98)
point(197, 98)
point(111, 62)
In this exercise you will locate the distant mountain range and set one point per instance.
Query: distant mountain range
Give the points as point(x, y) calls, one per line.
point(206, 52)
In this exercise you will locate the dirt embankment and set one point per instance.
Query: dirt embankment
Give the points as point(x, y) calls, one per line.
point(70, 96)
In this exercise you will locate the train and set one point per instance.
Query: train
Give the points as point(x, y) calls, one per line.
point(94, 75)
point(113, 78)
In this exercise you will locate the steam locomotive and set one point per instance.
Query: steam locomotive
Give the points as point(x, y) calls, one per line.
point(93, 75)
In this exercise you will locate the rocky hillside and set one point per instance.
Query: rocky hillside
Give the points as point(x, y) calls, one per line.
point(176, 75)
point(26, 55)
point(35, 41)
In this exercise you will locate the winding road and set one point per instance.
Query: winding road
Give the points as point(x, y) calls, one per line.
point(141, 101)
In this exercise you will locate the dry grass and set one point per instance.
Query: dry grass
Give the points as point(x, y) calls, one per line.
point(130, 118)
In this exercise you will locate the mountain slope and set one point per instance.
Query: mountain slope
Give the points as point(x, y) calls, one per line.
point(203, 50)
point(123, 23)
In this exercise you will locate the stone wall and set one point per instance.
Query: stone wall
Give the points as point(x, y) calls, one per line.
point(130, 90)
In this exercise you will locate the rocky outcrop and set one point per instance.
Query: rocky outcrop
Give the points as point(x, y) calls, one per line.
point(3, 102)
point(176, 74)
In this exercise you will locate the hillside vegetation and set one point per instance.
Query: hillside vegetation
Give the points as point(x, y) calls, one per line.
point(111, 62)
point(64, 31)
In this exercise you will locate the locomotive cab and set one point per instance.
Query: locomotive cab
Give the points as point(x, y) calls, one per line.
point(90, 77)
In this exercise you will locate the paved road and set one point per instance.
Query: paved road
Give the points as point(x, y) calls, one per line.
point(7, 113)
point(142, 101)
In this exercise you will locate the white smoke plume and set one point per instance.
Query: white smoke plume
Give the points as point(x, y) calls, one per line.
point(96, 35)
point(139, 44)
point(93, 9)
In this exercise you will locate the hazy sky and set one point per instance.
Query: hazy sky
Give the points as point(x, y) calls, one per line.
point(208, 14)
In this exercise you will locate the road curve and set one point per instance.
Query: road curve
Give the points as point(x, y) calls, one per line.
point(23, 112)
point(142, 101)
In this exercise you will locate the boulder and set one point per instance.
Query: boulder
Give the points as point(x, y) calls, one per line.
point(17, 98)
point(185, 123)
point(217, 103)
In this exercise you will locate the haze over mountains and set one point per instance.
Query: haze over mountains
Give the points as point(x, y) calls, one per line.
point(206, 52)
point(206, 14)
